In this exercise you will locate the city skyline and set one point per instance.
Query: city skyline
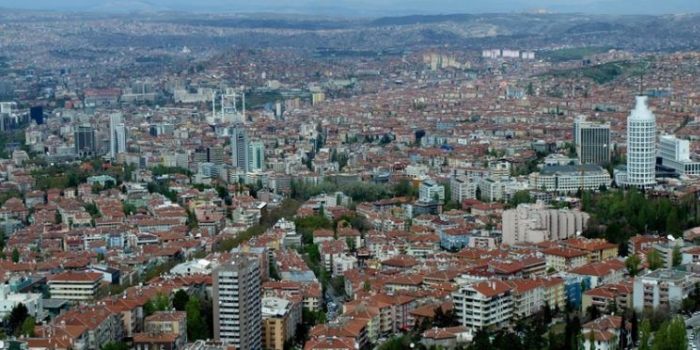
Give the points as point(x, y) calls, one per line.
point(359, 8)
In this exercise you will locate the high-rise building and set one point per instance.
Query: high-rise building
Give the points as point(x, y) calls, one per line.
point(641, 146)
point(117, 135)
point(237, 306)
point(592, 141)
point(240, 152)
point(257, 155)
point(84, 139)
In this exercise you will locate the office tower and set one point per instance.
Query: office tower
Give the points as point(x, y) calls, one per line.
point(84, 139)
point(237, 307)
point(641, 146)
point(117, 135)
point(257, 155)
point(592, 141)
point(240, 152)
point(37, 114)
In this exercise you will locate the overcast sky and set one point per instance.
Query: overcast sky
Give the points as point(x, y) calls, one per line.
point(368, 7)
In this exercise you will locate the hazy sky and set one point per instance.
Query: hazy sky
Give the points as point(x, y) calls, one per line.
point(368, 7)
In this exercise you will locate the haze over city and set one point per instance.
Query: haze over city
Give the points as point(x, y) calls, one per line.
point(367, 7)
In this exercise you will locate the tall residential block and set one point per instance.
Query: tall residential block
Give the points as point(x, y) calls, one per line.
point(237, 303)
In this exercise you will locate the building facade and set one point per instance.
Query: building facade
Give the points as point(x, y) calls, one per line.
point(237, 306)
point(240, 148)
point(592, 141)
point(641, 146)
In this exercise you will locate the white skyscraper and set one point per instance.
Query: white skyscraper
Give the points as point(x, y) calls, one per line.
point(257, 155)
point(117, 135)
point(641, 146)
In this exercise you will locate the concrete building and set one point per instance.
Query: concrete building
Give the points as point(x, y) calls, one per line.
point(483, 304)
point(8, 301)
point(429, 190)
point(117, 135)
point(592, 141)
point(75, 286)
point(535, 223)
point(280, 318)
point(462, 187)
point(84, 140)
point(641, 146)
point(664, 287)
point(237, 307)
point(675, 154)
point(570, 178)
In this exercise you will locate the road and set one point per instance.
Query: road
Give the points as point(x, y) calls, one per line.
point(693, 322)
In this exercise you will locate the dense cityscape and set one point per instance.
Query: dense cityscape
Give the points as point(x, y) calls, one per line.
point(217, 182)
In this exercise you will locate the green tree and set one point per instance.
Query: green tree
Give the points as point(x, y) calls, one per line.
point(15, 255)
point(671, 336)
point(196, 327)
point(149, 308)
point(16, 319)
point(180, 300)
point(676, 256)
point(162, 302)
point(645, 334)
point(654, 260)
point(27, 328)
point(632, 264)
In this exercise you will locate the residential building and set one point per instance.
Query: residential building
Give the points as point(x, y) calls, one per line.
point(592, 141)
point(75, 286)
point(429, 190)
point(483, 304)
point(535, 223)
point(237, 307)
point(564, 259)
point(641, 146)
point(664, 287)
point(607, 331)
point(164, 328)
point(8, 301)
point(280, 318)
point(462, 187)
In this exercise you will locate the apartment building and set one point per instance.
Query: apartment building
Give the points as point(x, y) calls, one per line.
point(237, 307)
point(564, 259)
point(664, 287)
point(536, 223)
point(280, 318)
point(75, 286)
point(483, 304)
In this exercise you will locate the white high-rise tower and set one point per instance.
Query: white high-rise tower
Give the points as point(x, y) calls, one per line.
point(641, 146)
point(117, 135)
